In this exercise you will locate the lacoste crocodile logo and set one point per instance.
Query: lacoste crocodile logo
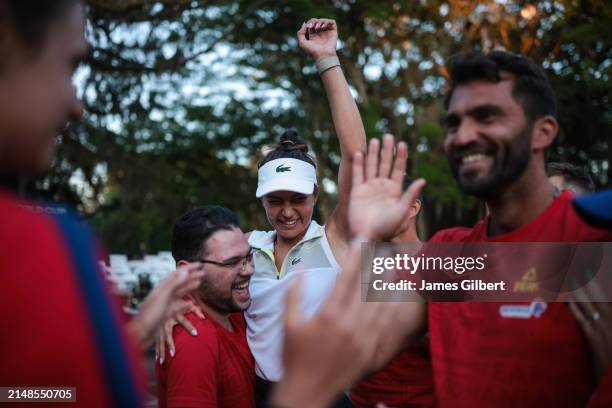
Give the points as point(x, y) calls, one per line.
point(281, 169)
point(296, 261)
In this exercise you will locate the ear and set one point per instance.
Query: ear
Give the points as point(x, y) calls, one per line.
point(182, 262)
point(544, 132)
point(415, 208)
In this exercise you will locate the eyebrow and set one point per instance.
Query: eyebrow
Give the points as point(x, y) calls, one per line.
point(297, 195)
point(237, 257)
point(487, 108)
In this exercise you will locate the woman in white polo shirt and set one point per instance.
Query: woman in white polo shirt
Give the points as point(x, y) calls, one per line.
point(288, 189)
point(297, 244)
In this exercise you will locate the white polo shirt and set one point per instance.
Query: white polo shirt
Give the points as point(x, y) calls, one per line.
point(313, 258)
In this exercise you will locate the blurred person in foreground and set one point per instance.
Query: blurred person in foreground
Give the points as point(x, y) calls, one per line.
point(215, 368)
point(407, 380)
point(60, 326)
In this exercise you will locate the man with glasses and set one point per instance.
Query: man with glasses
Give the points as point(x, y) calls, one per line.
point(216, 367)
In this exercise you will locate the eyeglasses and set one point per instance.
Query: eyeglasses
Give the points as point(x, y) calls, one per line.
point(232, 263)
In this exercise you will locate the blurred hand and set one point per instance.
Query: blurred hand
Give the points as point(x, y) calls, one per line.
point(315, 371)
point(318, 37)
point(164, 336)
point(595, 319)
point(165, 301)
point(377, 206)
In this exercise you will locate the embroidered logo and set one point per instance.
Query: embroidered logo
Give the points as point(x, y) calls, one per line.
point(281, 169)
point(296, 261)
point(536, 309)
point(528, 283)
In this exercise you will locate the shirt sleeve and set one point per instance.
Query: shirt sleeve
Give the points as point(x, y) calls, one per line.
point(193, 371)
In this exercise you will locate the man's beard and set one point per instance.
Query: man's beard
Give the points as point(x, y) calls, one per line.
point(505, 170)
point(219, 299)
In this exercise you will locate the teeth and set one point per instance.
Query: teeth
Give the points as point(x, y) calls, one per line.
point(472, 158)
point(290, 222)
point(243, 286)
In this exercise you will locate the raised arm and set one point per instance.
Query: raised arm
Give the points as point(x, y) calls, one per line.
point(318, 38)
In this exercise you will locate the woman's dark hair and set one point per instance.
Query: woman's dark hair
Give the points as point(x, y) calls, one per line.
point(30, 19)
point(290, 146)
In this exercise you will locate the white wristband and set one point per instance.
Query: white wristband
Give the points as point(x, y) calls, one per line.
point(325, 63)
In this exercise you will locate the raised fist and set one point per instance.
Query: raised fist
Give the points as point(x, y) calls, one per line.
point(318, 37)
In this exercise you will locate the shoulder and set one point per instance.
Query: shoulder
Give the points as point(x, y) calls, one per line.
point(206, 338)
point(258, 238)
point(456, 234)
point(238, 321)
point(196, 356)
point(24, 217)
point(51, 229)
point(563, 216)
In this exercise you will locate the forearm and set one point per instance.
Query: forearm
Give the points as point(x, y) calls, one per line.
point(139, 334)
point(345, 114)
point(411, 325)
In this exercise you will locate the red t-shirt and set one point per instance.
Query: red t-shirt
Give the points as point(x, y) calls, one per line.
point(603, 396)
point(407, 381)
point(46, 336)
point(483, 359)
point(213, 369)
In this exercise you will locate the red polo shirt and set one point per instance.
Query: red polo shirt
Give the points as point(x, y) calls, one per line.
point(481, 358)
point(213, 369)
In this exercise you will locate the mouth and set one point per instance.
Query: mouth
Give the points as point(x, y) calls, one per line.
point(472, 161)
point(242, 285)
point(288, 224)
point(241, 291)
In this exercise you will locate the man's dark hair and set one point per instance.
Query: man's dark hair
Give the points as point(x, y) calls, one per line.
point(30, 19)
point(193, 229)
point(532, 89)
point(573, 175)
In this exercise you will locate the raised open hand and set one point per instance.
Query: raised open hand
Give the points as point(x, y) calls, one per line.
point(165, 301)
point(315, 372)
point(318, 37)
point(377, 206)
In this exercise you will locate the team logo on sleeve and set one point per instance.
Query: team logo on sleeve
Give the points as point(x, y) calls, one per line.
point(535, 309)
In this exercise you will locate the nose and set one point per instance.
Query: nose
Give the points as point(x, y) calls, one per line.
point(247, 268)
point(466, 133)
point(287, 210)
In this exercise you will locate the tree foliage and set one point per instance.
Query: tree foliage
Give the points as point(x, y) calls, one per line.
point(182, 95)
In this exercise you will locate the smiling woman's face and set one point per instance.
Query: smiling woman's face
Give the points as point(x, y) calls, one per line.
point(289, 213)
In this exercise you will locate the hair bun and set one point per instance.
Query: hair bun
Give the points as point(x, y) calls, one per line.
point(290, 140)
